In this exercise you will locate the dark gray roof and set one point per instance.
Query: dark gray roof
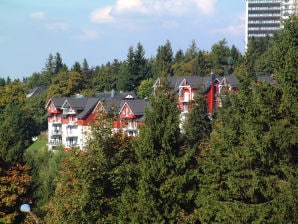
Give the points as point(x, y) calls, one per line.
point(113, 95)
point(231, 79)
point(267, 78)
point(112, 105)
point(58, 101)
point(76, 103)
point(36, 90)
point(84, 106)
point(137, 106)
point(194, 81)
point(89, 107)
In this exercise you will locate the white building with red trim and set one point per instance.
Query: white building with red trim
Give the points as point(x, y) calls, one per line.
point(69, 118)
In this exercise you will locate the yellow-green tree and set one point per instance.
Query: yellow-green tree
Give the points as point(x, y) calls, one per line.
point(66, 84)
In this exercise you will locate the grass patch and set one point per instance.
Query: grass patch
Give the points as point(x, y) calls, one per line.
point(38, 144)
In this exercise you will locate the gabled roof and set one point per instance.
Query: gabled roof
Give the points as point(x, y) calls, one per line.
point(136, 106)
point(75, 103)
point(36, 91)
point(84, 106)
point(57, 101)
point(231, 79)
point(267, 78)
point(90, 105)
point(193, 81)
point(111, 105)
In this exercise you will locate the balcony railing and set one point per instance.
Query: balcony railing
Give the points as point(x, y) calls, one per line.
point(70, 145)
point(56, 121)
point(71, 134)
point(56, 132)
point(72, 123)
point(55, 142)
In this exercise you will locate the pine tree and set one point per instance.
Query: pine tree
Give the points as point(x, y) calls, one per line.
point(90, 183)
point(164, 61)
point(134, 70)
point(197, 127)
point(58, 63)
point(165, 186)
point(249, 174)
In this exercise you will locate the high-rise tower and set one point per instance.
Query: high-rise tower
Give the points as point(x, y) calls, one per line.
point(264, 17)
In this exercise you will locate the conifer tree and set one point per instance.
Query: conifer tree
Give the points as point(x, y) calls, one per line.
point(249, 174)
point(91, 182)
point(164, 61)
point(197, 127)
point(165, 186)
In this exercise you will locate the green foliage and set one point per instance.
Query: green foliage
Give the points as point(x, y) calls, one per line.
point(256, 57)
point(145, 88)
point(58, 63)
point(90, 183)
point(34, 107)
point(166, 186)
point(45, 165)
point(105, 77)
point(163, 62)
point(14, 184)
point(249, 174)
point(37, 79)
point(76, 67)
point(197, 127)
point(16, 130)
point(70, 197)
point(66, 84)
point(134, 70)
point(219, 55)
point(12, 92)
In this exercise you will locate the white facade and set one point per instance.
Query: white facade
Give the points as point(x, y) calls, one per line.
point(67, 134)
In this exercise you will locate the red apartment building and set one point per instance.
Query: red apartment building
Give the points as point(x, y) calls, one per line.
point(69, 117)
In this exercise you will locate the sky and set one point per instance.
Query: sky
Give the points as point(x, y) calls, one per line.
point(103, 30)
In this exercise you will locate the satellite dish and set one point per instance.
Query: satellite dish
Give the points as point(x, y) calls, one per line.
point(25, 208)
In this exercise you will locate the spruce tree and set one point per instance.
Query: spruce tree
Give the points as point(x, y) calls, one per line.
point(197, 127)
point(165, 186)
point(249, 174)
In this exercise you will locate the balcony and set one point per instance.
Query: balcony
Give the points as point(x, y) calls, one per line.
point(56, 132)
point(55, 142)
point(71, 142)
point(56, 121)
point(71, 145)
point(71, 134)
point(72, 123)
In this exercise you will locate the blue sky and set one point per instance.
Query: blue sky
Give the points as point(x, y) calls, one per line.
point(103, 30)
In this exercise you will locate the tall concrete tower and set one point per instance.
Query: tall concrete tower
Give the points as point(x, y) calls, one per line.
point(264, 17)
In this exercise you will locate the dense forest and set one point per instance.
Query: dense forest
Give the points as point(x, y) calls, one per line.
point(238, 165)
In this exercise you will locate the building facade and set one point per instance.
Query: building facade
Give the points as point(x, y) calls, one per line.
point(186, 87)
point(69, 118)
point(264, 17)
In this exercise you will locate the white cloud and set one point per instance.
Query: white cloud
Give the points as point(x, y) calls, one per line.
point(151, 7)
point(237, 27)
point(132, 10)
point(88, 35)
point(207, 7)
point(37, 15)
point(58, 26)
point(102, 15)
